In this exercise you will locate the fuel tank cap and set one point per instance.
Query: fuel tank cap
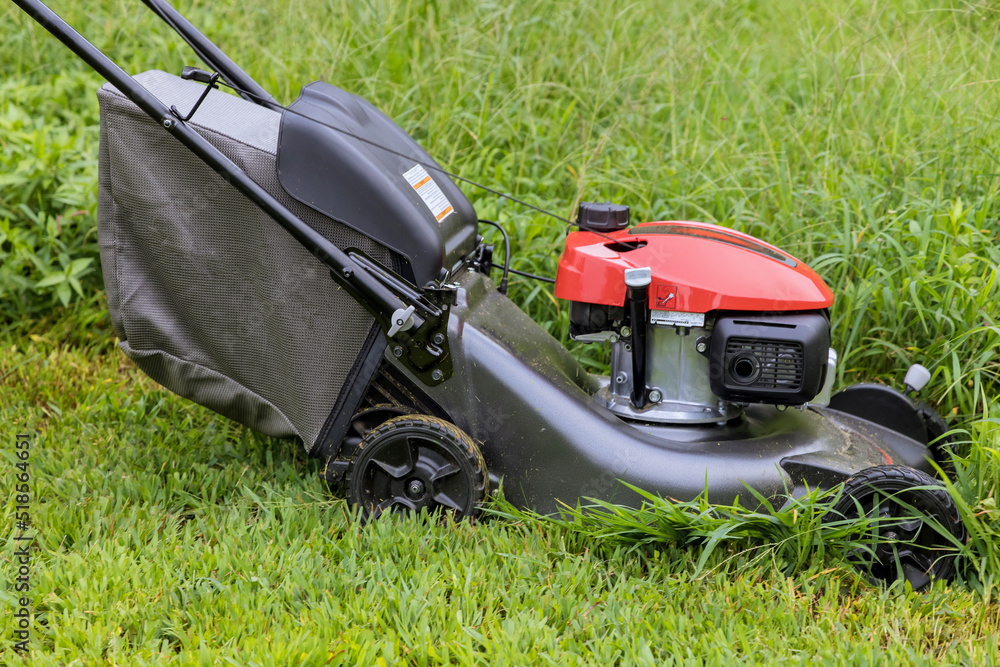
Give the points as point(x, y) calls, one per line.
point(602, 217)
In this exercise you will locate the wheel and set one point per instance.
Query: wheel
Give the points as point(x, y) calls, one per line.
point(416, 462)
point(912, 518)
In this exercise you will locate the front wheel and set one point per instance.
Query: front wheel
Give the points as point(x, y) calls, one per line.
point(913, 529)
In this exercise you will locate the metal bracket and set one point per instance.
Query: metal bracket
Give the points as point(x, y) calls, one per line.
point(336, 470)
point(417, 333)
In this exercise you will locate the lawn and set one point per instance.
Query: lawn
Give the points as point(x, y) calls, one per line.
point(859, 136)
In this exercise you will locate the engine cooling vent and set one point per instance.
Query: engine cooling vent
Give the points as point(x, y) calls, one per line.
point(765, 364)
point(769, 358)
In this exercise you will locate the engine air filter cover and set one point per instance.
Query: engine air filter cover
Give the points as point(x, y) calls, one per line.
point(769, 358)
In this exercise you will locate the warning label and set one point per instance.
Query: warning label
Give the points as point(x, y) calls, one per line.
point(430, 192)
point(666, 296)
point(676, 318)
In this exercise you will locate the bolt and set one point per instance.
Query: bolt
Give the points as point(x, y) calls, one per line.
point(620, 378)
point(168, 123)
point(701, 346)
point(655, 396)
point(416, 487)
point(437, 375)
point(397, 351)
point(438, 338)
point(626, 332)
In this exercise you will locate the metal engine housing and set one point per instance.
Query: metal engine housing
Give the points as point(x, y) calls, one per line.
point(677, 371)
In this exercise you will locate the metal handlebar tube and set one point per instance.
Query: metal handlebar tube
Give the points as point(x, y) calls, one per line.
point(211, 54)
point(637, 281)
point(420, 334)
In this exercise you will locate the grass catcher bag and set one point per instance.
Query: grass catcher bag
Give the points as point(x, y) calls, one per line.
point(207, 294)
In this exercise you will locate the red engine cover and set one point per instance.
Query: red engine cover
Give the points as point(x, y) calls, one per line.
point(697, 267)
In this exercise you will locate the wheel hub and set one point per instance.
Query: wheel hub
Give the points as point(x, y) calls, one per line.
point(415, 489)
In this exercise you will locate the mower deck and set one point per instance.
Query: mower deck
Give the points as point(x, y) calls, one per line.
point(530, 406)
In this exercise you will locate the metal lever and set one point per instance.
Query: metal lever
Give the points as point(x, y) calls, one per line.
point(195, 74)
point(401, 320)
point(201, 76)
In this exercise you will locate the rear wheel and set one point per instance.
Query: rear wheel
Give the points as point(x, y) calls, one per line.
point(416, 462)
point(914, 525)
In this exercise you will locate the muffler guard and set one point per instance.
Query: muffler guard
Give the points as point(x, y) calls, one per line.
point(518, 391)
point(207, 294)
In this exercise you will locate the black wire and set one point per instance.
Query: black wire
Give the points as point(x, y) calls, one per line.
point(502, 288)
point(533, 276)
point(506, 261)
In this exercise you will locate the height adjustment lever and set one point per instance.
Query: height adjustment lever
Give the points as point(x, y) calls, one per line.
point(401, 320)
point(196, 74)
point(201, 76)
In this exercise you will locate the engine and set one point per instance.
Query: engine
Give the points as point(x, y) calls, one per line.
point(702, 319)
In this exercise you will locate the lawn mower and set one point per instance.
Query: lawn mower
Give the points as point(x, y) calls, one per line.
point(311, 272)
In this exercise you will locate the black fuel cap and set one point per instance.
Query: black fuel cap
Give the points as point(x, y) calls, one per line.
point(603, 217)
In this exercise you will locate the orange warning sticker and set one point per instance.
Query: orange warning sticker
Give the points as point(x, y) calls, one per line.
point(429, 191)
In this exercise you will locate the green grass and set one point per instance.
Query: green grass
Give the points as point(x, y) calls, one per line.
point(859, 136)
point(168, 533)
